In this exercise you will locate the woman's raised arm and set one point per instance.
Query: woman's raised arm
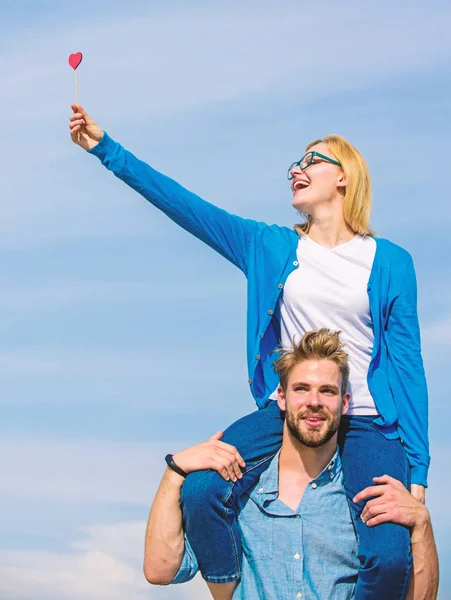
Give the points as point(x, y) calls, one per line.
point(228, 234)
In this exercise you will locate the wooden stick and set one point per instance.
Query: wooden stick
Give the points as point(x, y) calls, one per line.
point(76, 86)
point(76, 96)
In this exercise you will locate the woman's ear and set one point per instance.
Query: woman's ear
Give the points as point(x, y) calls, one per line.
point(342, 181)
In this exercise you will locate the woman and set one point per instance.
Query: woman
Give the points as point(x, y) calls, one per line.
point(329, 272)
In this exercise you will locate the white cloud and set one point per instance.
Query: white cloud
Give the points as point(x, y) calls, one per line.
point(105, 565)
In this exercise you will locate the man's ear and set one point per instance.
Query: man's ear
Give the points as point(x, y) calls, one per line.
point(345, 403)
point(281, 399)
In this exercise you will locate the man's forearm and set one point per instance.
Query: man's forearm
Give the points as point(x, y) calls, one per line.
point(165, 543)
point(424, 581)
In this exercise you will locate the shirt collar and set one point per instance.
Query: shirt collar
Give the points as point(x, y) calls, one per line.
point(268, 483)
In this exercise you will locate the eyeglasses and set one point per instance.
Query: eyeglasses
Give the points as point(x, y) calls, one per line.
point(309, 159)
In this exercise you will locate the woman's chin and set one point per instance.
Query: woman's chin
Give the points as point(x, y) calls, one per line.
point(301, 207)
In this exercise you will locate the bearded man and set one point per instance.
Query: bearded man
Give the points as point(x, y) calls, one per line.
point(297, 533)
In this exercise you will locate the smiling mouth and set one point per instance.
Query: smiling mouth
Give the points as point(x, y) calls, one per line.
point(314, 421)
point(300, 184)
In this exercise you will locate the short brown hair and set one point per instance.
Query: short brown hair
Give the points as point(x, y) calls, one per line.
point(321, 344)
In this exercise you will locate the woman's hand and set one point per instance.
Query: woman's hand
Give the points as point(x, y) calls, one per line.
point(418, 492)
point(212, 454)
point(84, 131)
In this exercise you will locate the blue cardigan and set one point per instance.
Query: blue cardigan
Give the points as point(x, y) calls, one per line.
point(267, 255)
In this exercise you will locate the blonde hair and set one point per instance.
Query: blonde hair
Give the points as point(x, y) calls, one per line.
point(321, 344)
point(357, 199)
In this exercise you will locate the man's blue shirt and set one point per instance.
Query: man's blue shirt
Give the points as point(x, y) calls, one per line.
point(310, 552)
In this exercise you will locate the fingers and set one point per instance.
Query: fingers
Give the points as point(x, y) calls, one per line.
point(372, 508)
point(369, 492)
point(227, 447)
point(232, 450)
point(387, 479)
point(76, 123)
point(230, 463)
point(382, 484)
point(383, 518)
point(222, 466)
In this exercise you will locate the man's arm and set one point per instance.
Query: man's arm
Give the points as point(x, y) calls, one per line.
point(165, 543)
point(424, 581)
point(392, 502)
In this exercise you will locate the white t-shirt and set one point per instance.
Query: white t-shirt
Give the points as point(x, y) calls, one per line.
point(329, 289)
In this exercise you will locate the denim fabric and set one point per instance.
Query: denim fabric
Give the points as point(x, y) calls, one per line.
point(210, 504)
point(310, 552)
point(384, 550)
point(266, 254)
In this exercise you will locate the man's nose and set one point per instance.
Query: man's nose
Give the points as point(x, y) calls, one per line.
point(314, 398)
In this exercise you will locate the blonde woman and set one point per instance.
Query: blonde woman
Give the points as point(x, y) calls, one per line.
point(330, 272)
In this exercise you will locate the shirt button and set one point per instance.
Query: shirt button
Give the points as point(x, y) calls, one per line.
point(261, 490)
point(249, 381)
point(270, 312)
point(330, 467)
point(299, 595)
point(298, 516)
point(295, 263)
point(258, 357)
point(314, 485)
point(297, 556)
point(280, 286)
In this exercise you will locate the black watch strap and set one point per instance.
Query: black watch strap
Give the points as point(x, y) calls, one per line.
point(171, 464)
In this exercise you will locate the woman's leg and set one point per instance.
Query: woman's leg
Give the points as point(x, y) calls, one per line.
point(384, 550)
point(208, 501)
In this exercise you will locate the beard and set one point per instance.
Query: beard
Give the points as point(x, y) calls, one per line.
point(313, 437)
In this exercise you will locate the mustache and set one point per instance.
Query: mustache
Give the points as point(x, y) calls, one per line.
point(312, 412)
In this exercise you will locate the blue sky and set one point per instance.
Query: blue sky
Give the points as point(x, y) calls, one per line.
point(122, 338)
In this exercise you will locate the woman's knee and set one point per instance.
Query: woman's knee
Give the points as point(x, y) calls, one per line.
point(202, 488)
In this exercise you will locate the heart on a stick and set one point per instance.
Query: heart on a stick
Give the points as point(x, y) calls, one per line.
point(75, 60)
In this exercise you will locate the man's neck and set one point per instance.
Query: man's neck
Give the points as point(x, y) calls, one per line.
point(298, 465)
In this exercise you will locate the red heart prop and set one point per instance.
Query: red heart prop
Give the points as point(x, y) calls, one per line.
point(75, 60)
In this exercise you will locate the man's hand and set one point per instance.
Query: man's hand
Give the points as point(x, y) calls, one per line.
point(418, 492)
point(212, 454)
point(391, 502)
point(83, 130)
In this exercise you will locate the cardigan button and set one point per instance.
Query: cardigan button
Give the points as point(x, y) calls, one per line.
point(270, 312)
point(258, 357)
point(295, 263)
point(280, 286)
point(249, 381)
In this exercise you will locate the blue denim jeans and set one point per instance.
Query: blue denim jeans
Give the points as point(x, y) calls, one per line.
point(209, 502)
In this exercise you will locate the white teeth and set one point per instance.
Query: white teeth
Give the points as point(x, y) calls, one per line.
point(300, 183)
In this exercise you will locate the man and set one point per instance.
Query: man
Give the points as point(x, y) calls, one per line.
point(297, 534)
